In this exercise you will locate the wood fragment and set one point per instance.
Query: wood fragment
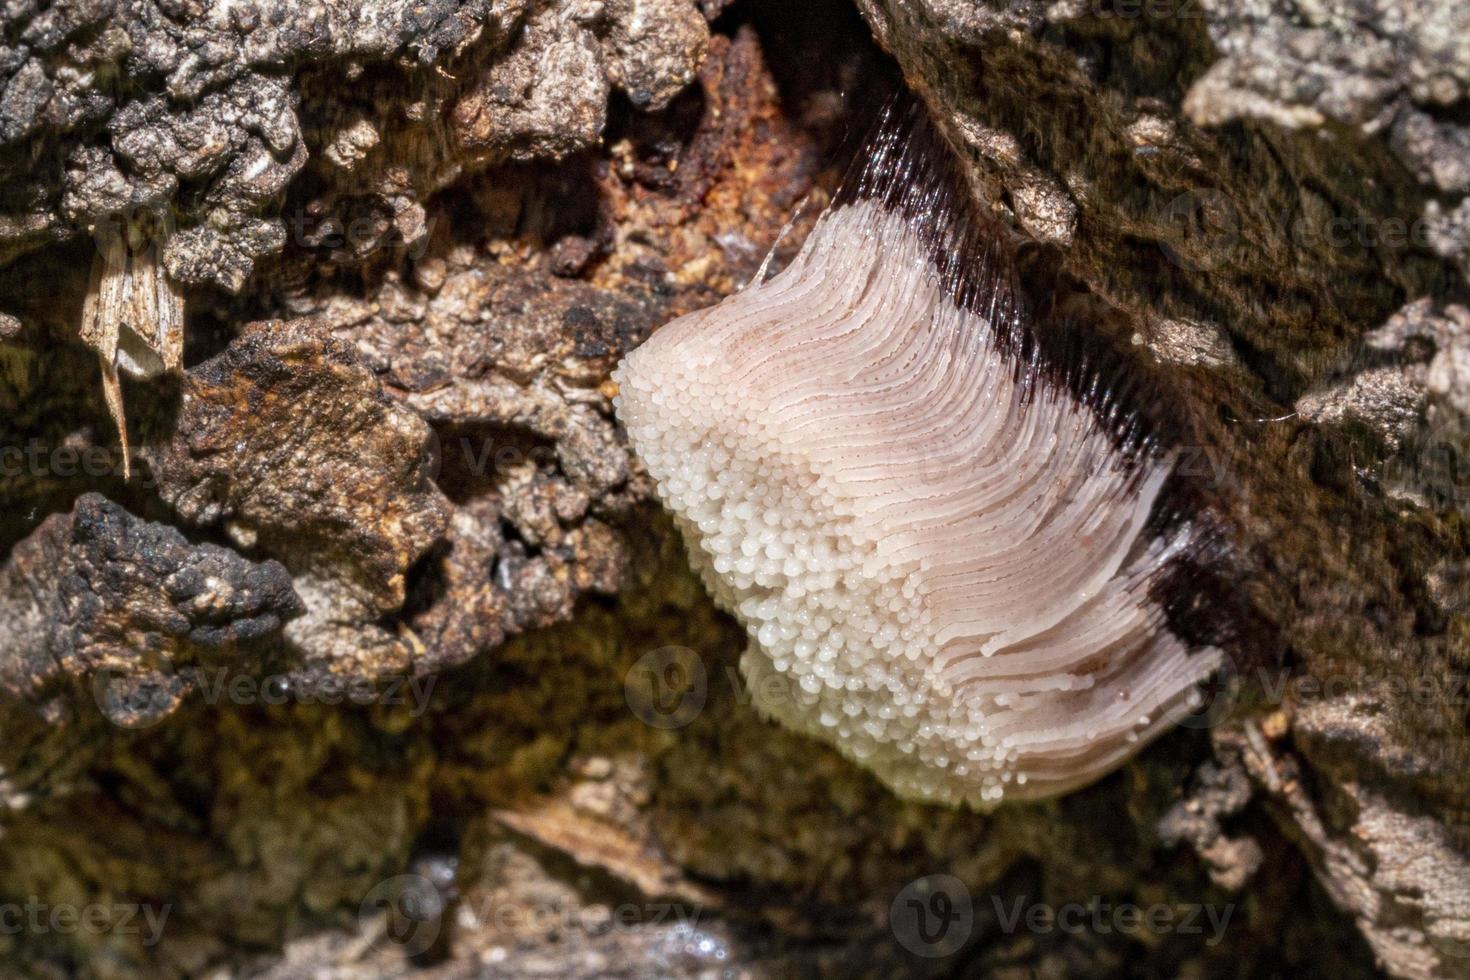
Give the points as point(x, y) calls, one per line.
point(133, 317)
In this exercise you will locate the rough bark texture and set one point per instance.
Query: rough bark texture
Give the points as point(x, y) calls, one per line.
point(381, 660)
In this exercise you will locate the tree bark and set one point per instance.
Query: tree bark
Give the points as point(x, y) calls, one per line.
point(358, 664)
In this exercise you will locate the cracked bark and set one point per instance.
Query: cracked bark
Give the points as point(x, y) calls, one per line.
point(359, 636)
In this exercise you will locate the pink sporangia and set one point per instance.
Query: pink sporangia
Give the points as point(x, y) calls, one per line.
point(940, 547)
